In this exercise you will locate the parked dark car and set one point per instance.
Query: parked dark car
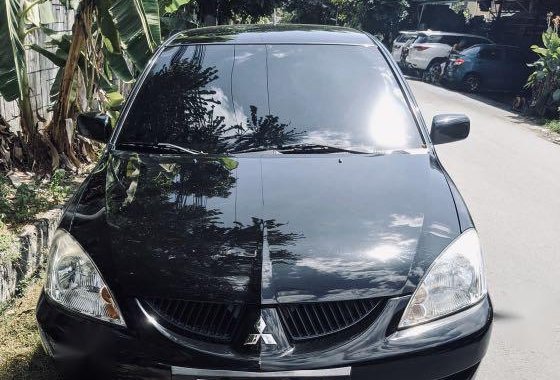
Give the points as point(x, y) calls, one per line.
point(269, 205)
point(488, 67)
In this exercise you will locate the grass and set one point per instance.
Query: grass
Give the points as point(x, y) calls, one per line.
point(553, 125)
point(19, 205)
point(9, 249)
point(21, 354)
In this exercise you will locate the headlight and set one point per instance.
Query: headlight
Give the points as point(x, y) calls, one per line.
point(74, 281)
point(454, 282)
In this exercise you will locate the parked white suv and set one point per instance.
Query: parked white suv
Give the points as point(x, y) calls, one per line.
point(431, 49)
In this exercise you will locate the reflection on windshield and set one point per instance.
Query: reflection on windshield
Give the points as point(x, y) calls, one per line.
point(221, 99)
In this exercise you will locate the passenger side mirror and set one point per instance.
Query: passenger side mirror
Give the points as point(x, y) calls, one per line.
point(95, 126)
point(449, 128)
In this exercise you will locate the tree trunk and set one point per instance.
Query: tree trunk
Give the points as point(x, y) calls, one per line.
point(27, 117)
point(57, 131)
point(208, 12)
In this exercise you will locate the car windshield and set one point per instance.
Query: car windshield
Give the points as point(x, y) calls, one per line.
point(217, 99)
point(471, 52)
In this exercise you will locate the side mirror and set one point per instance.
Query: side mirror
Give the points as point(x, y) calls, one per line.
point(449, 128)
point(95, 126)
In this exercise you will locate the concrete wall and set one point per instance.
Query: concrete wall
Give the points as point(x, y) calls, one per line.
point(33, 244)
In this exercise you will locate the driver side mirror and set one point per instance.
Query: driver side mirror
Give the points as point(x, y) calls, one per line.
point(95, 126)
point(449, 128)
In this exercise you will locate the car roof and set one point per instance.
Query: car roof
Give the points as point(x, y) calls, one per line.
point(439, 33)
point(273, 34)
point(408, 32)
point(499, 46)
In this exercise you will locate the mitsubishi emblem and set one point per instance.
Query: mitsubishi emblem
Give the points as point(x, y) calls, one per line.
point(253, 339)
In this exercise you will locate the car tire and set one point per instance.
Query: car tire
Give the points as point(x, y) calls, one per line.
point(432, 72)
point(472, 83)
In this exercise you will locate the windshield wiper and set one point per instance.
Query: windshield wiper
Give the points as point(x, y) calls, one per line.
point(160, 147)
point(316, 148)
point(303, 149)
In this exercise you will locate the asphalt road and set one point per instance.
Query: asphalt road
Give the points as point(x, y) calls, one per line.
point(510, 177)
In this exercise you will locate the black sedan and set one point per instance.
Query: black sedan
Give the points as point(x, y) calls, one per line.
point(269, 205)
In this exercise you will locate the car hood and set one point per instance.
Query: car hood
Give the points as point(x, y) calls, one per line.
point(274, 228)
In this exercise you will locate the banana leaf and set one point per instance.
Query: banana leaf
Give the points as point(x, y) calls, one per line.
point(138, 25)
point(173, 6)
point(58, 58)
point(114, 100)
point(39, 13)
point(12, 55)
point(108, 28)
point(118, 65)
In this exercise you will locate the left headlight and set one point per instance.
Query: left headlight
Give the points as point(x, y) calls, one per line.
point(454, 282)
point(74, 281)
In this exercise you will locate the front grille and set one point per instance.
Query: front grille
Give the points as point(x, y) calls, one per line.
point(212, 321)
point(312, 320)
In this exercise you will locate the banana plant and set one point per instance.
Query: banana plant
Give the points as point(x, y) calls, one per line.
point(18, 18)
point(544, 81)
point(110, 40)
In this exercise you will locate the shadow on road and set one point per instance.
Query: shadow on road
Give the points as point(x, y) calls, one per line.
point(35, 366)
point(500, 100)
point(504, 316)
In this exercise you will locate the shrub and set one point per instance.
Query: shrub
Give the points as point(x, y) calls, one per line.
point(8, 245)
point(20, 205)
point(545, 80)
point(26, 204)
point(553, 125)
point(57, 188)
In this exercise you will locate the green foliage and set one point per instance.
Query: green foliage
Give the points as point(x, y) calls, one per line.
point(8, 245)
point(172, 6)
point(26, 204)
point(545, 80)
point(314, 11)
point(58, 187)
point(553, 125)
point(12, 55)
point(125, 33)
point(20, 205)
point(5, 192)
point(137, 23)
point(177, 15)
point(374, 16)
point(379, 17)
point(548, 65)
point(17, 19)
point(442, 17)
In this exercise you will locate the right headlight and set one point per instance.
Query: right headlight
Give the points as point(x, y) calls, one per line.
point(74, 281)
point(454, 282)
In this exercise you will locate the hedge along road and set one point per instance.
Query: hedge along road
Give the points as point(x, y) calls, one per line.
point(509, 176)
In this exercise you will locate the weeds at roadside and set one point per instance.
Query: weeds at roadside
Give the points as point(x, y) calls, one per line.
point(9, 250)
point(20, 204)
point(553, 125)
point(21, 354)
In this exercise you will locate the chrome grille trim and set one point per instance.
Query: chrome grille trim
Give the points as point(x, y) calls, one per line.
point(311, 373)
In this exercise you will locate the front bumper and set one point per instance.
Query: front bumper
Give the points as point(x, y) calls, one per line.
point(450, 348)
point(453, 75)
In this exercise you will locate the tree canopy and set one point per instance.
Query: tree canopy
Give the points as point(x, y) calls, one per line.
point(379, 17)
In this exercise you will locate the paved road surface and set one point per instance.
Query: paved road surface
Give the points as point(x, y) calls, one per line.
point(510, 178)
